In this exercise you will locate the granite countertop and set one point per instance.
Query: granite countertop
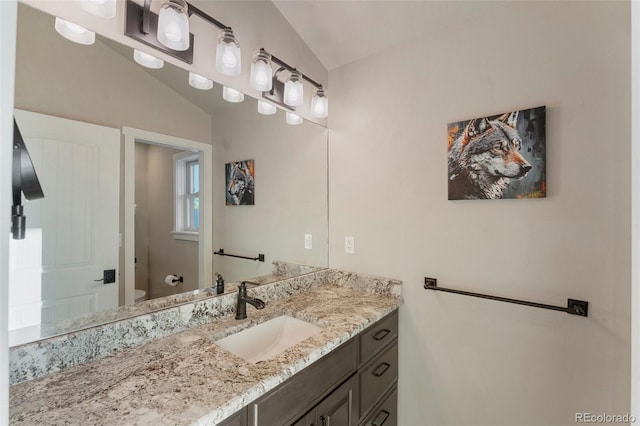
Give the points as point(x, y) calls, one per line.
point(187, 379)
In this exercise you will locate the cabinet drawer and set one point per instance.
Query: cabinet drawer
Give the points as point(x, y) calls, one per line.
point(378, 377)
point(376, 337)
point(386, 413)
point(293, 398)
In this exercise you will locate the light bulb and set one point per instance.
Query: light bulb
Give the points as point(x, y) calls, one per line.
point(266, 108)
point(228, 57)
point(101, 8)
point(74, 32)
point(173, 25)
point(319, 104)
point(293, 90)
point(293, 119)
point(232, 95)
point(199, 82)
point(147, 60)
point(261, 72)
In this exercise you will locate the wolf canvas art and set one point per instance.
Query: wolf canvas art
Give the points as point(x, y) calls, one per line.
point(498, 156)
point(240, 183)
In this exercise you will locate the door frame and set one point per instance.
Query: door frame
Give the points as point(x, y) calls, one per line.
point(205, 242)
point(8, 23)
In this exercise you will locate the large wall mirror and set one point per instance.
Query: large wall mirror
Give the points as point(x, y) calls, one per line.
point(100, 86)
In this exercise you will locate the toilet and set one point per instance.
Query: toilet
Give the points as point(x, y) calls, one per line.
point(141, 296)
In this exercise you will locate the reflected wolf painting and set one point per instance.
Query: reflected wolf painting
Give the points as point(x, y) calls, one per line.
point(500, 156)
point(240, 183)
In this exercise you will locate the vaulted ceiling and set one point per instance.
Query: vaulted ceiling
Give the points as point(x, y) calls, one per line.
point(340, 32)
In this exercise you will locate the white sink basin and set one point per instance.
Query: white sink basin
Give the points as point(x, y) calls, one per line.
point(267, 340)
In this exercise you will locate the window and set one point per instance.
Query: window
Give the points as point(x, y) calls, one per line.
point(187, 199)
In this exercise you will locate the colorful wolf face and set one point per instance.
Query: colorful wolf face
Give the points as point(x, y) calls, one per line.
point(485, 157)
point(240, 183)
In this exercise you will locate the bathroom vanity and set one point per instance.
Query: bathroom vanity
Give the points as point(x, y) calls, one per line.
point(346, 372)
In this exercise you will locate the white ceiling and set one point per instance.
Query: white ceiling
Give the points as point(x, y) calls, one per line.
point(343, 31)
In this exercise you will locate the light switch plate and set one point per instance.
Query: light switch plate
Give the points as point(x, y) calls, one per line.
point(308, 241)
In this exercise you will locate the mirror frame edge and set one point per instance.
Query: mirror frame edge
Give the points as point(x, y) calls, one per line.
point(205, 242)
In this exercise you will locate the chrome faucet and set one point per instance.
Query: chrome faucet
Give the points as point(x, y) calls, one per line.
point(243, 299)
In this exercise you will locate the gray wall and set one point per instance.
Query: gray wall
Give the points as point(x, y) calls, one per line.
point(290, 196)
point(467, 361)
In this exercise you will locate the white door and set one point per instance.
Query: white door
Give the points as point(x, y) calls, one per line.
point(72, 234)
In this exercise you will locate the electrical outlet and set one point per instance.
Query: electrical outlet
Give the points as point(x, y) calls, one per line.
point(308, 241)
point(349, 245)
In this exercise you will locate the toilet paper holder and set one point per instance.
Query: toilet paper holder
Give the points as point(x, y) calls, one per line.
point(173, 280)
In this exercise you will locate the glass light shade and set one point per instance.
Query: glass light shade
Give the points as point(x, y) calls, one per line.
point(293, 119)
point(261, 72)
point(199, 82)
point(147, 60)
point(293, 91)
point(101, 8)
point(173, 25)
point(232, 95)
point(319, 104)
point(228, 59)
point(74, 32)
point(266, 108)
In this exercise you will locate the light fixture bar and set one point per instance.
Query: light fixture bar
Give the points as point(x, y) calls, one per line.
point(136, 28)
point(276, 94)
point(192, 10)
point(290, 68)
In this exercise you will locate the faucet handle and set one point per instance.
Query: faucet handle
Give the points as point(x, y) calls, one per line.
point(244, 283)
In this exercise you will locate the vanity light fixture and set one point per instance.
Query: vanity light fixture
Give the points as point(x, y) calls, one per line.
point(261, 71)
point(228, 58)
point(294, 90)
point(74, 32)
point(290, 94)
point(147, 60)
point(199, 82)
point(232, 95)
point(169, 32)
point(101, 8)
point(293, 119)
point(173, 25)
point(319, 104)
point(266, 108)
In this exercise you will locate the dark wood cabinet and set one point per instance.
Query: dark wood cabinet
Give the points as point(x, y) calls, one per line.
point(353, 385)
point(238, 419)
point(340, 408)
point(386, 412)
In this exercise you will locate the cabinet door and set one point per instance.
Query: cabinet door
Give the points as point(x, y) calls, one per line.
point(340, 408)
point(308, 420)
point(237, 419)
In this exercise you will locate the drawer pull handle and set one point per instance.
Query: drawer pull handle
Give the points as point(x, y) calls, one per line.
point(384, 413)
point(381, 369)
point(381, 334)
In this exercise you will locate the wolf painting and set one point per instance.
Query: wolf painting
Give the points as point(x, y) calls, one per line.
point(240, 183)
point(500, 156)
